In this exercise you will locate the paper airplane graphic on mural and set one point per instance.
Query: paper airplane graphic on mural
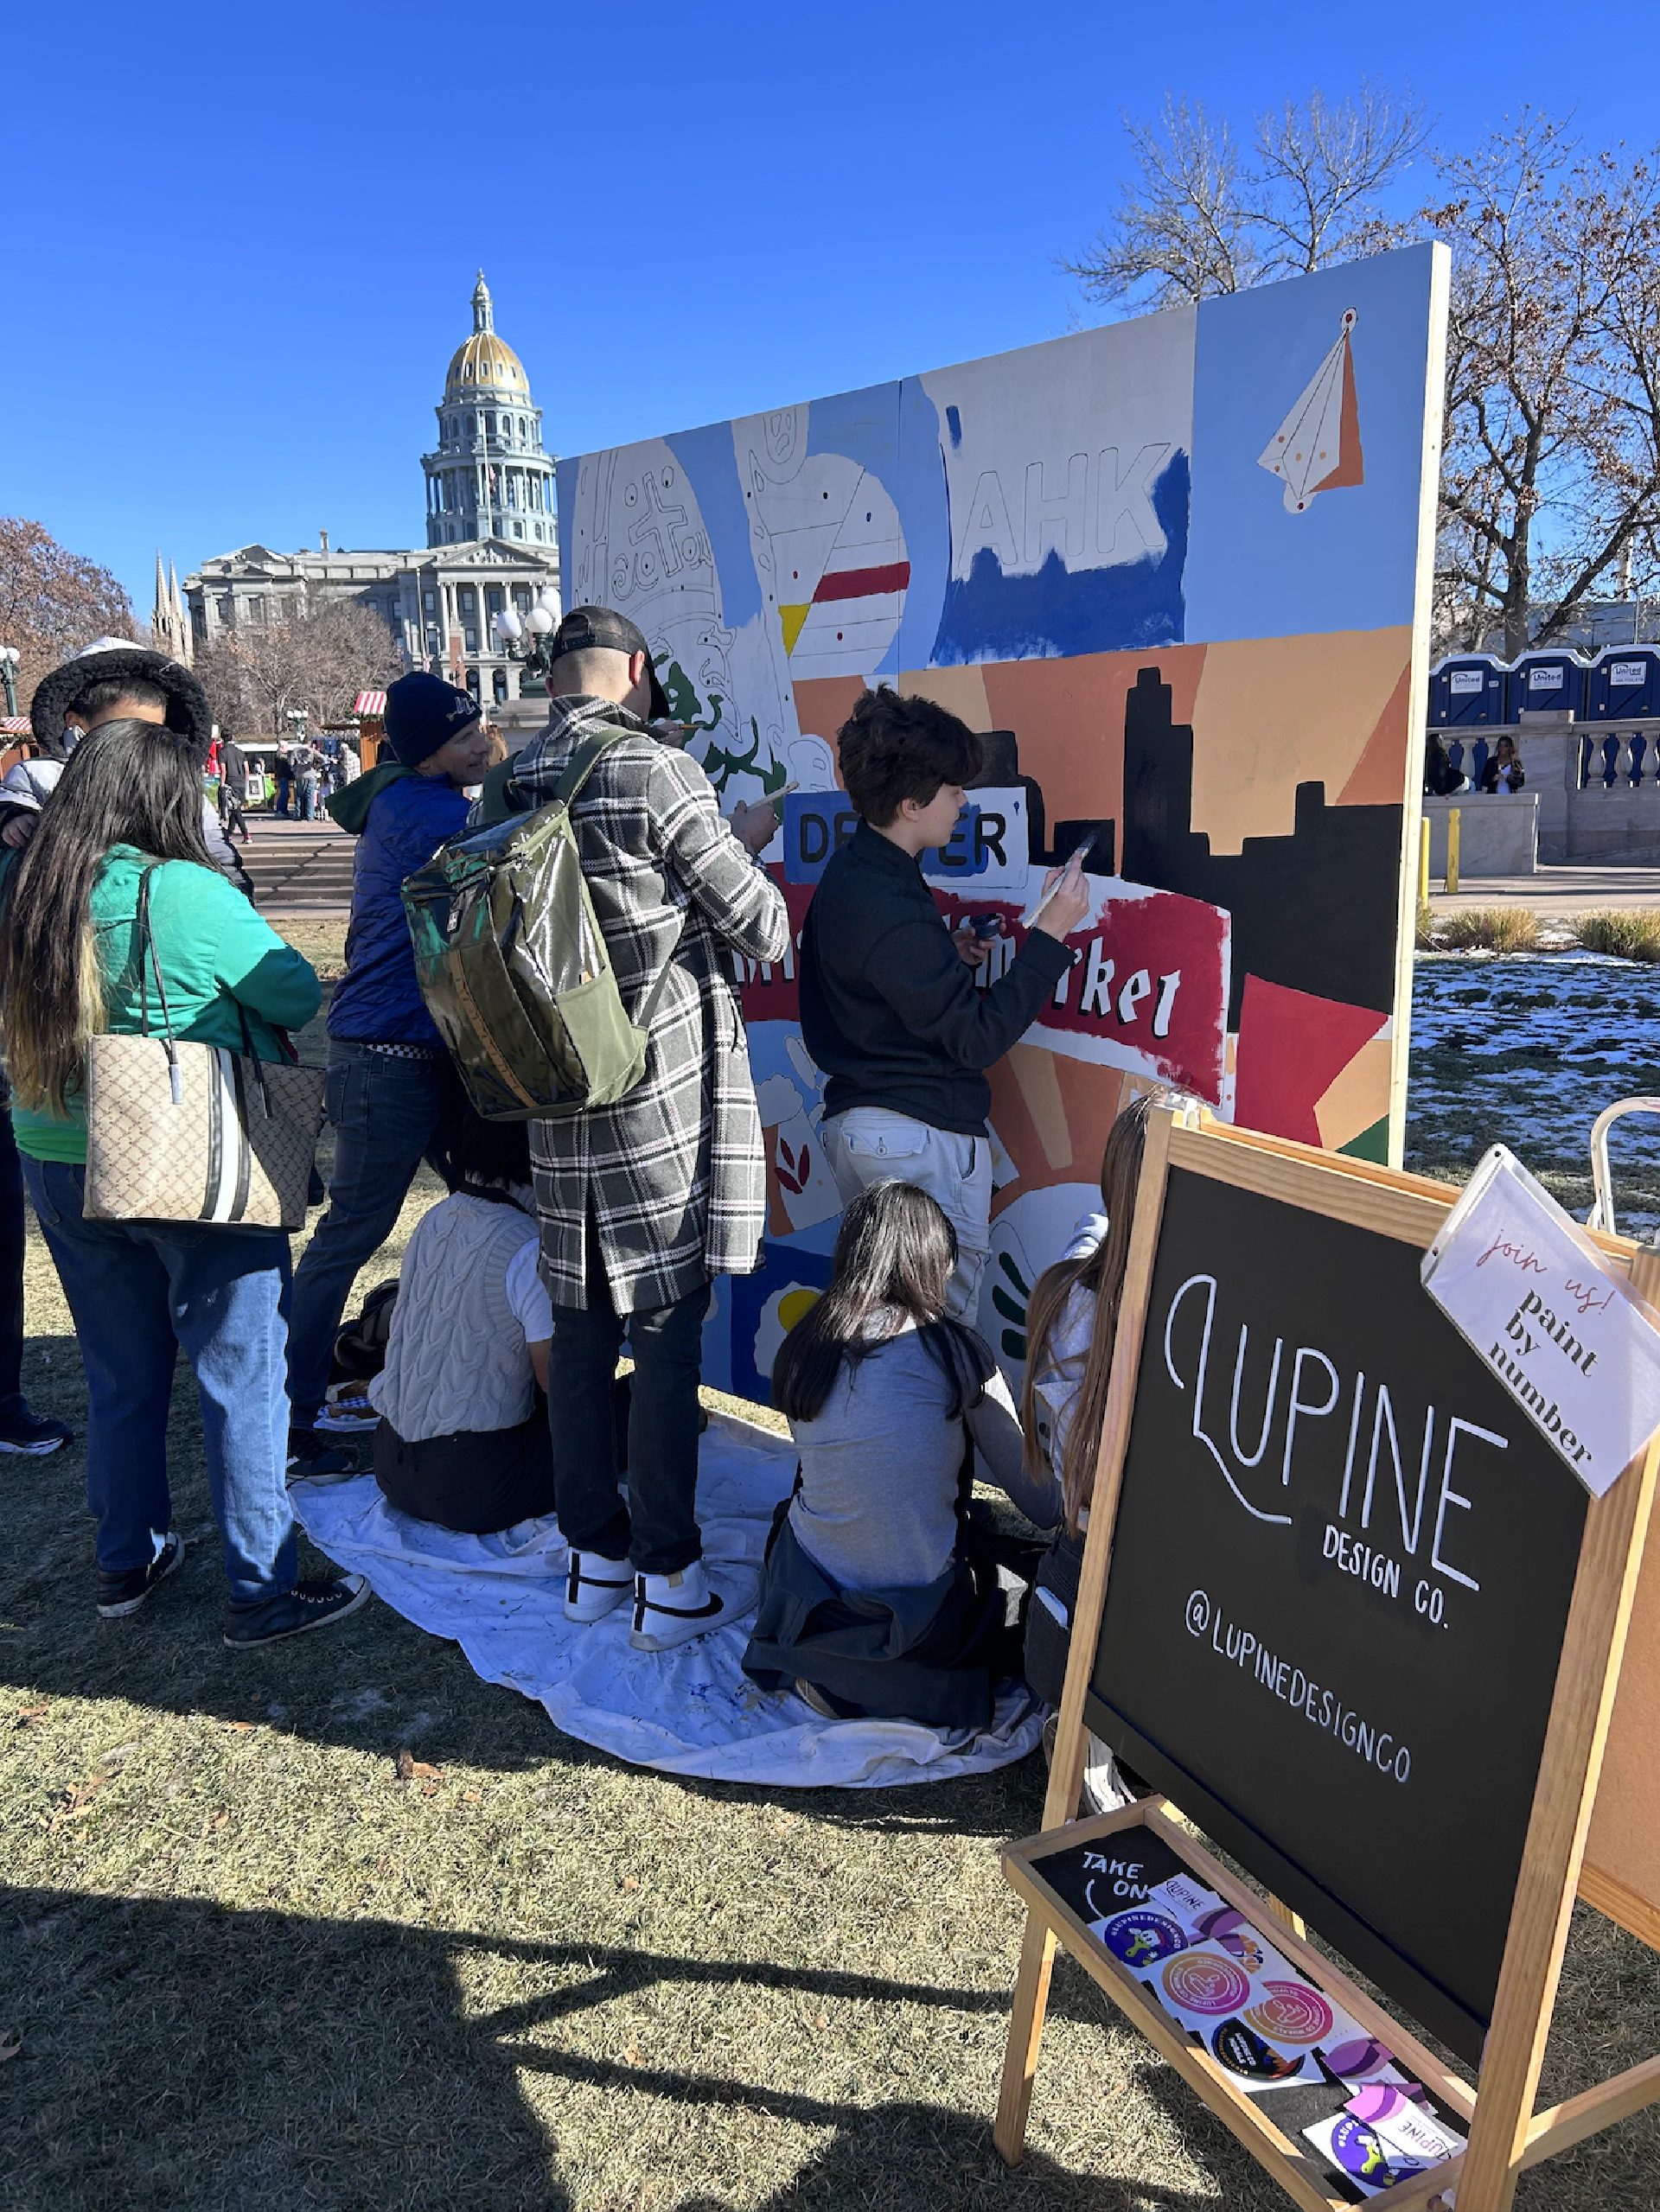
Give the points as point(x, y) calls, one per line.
point(1316, 448)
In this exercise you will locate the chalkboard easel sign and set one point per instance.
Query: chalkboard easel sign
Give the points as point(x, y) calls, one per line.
point(1343, 1605)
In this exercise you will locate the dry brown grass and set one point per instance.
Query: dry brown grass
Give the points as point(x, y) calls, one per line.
point(1489, 929)
point(1629, 936)
point(323, 943)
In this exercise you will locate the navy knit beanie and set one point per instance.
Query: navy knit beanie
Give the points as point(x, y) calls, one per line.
point(423, 712)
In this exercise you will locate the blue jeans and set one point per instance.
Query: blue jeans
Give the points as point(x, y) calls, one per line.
point(388, 1114)
point(138, 1291)
point(13, 1239)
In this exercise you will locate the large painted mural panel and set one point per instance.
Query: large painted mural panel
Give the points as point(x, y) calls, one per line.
point(1173, 571)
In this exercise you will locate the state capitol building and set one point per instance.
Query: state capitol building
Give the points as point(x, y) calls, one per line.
point(491, 537)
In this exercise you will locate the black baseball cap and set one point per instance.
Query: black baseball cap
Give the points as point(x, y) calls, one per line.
point(588, 629)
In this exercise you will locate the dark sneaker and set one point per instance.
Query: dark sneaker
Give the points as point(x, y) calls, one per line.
point(121, 1594)
point(817, 1700)
point(308, 1605)
point(312, 1458)
point(31, 1433)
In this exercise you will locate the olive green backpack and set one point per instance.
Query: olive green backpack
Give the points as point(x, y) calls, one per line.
point(514, 967)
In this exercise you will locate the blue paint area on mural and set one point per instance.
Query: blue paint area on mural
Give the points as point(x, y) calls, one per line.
point(1125, 606)
point(710, 469)
point(862, 425)
point(921, 494)
point(815, 824)
point(565, 482)
point(966, 852)
point(782, 1265)
point(1348, 561)
point(954, 427)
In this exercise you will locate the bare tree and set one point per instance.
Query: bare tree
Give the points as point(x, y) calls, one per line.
point(223, 676)
point(1182, 231)
point(1200, 219)
point(53, 603)
point(315, 657)
point(1551, 473)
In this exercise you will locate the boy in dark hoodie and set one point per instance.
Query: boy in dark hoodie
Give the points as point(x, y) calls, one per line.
point(393, 1096)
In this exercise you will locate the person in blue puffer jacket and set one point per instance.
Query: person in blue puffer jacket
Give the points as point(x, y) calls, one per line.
point(393, 1094)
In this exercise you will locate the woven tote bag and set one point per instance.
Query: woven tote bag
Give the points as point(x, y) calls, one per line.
point(195, 1132)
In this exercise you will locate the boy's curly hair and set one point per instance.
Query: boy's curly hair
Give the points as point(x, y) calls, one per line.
point(895, 748)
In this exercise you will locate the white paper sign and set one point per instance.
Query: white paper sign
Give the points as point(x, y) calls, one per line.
point(1544, 679)
point(1526, 1289)
point(1464, 680)
point(1623, 673)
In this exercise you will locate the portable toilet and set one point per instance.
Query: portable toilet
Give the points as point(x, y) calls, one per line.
point(1549, 681)
point(1622, 682)
point(1465, 689)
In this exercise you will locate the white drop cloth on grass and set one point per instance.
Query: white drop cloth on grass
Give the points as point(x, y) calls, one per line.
point(692, 1710)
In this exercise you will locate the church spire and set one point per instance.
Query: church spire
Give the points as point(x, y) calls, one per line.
point(186, 651)
point(483, 311)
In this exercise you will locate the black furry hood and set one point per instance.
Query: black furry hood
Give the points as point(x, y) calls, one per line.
point(187, 702)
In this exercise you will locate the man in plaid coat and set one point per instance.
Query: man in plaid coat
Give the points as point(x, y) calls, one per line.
point(642, 1202)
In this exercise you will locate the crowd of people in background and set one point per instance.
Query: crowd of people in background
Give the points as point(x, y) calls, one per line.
point(886, 1590)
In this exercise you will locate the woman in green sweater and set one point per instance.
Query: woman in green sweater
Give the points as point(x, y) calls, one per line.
point(129, 805)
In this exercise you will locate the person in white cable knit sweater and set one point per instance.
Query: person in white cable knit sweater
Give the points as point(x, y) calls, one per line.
point(463, 1438)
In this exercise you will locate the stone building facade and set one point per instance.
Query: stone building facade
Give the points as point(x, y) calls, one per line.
point(490, 527)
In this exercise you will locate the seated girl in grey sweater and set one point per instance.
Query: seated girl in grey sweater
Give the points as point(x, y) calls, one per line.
point(881, 1596)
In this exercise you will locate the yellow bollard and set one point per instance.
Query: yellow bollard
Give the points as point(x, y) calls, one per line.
point(1423, 863)
point(1453, 848)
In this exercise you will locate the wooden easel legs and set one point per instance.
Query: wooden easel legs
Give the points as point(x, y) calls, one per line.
point(1025, 2039)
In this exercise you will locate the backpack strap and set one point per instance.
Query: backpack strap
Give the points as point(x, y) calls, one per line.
point(493, 799)
point(577, 772)
point(581, 763)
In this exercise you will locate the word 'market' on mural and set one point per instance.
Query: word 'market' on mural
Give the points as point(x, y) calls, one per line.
point(1173, 571)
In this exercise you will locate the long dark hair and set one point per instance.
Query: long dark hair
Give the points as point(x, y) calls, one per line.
point(127, 783)
point(894, 1257)
point(1101, 1271)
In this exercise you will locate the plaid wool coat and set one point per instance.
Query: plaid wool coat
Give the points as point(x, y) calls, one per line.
point(673, 1176)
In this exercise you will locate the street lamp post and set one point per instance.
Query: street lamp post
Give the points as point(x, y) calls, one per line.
point(9, 657)
point(524, 639)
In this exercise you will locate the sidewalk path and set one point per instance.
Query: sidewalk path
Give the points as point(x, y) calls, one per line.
point(1555, 892)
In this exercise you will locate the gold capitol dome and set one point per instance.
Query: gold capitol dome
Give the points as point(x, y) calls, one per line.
point(485, 362)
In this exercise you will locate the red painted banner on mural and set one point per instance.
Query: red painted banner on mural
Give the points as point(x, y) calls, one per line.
point(769, 989)
point(863, 584)
point(1148, 991)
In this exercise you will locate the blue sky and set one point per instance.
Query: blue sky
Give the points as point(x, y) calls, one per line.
point(237, 243)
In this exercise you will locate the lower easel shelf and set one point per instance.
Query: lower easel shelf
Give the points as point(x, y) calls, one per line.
point(1341, 2103)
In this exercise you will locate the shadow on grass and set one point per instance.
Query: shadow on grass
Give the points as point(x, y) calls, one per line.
point(179, 2053)
point(356, 1685)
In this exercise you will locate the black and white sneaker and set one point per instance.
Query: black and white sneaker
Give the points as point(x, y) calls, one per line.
point(670, 1610)
point(308, 1605)
point(121, 1594)
point(594, 1586)
point(34, 1434)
